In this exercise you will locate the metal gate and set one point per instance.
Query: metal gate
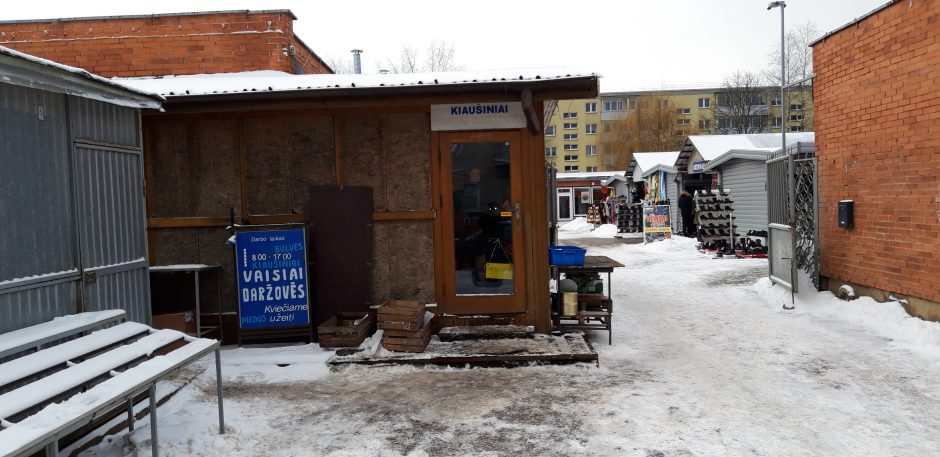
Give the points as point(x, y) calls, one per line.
point(792, 210)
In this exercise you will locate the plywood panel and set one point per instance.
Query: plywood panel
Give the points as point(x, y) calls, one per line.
point(283, 158)
point(408, 166)
point(312, 156)
point(363, 161)
point(380, 264)
point(194, 166)
point(411, 260)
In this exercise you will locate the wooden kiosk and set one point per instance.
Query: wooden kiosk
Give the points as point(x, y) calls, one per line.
point(452, 163)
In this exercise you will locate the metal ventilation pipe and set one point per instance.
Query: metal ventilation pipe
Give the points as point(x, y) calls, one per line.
point(357, 61)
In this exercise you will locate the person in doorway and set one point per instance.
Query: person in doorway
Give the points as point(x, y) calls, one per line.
point(687, 208)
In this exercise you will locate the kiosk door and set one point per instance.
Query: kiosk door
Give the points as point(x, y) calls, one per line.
point(481, 194)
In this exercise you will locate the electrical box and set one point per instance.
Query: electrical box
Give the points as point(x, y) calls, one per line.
point(846, 213)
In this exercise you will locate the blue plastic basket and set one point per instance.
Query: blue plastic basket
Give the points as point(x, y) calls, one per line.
point(566, 255)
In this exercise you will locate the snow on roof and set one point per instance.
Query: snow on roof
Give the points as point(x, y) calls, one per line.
point(586, 175)
point(710, 147)
point(276, 81)
point(646, 161)
point(78, 72)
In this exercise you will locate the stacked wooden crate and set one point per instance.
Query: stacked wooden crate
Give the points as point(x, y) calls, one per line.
point(406, 325)
point(345, 330)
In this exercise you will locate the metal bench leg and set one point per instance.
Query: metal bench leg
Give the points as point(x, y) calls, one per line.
point(153, 421)
point(52, 449)
point(130, 414)
point(218, 389)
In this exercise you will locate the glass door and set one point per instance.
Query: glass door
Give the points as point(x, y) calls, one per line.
point(582, 200)
point(564, 204)
point(482, 196)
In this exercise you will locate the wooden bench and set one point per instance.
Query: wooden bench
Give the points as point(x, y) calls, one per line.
point(89, 377)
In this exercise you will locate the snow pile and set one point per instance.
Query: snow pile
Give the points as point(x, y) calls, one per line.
point(576, 225)
point(675, 244)
point(264, 365)
point(605, 231)
point(888, 320)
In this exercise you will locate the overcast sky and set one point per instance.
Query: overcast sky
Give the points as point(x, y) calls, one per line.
point(633, 44)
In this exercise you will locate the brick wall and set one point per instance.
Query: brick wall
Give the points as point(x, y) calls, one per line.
point(167, 44)
point(877, 94)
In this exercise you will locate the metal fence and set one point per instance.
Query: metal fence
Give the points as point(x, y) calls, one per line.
point(792, 215)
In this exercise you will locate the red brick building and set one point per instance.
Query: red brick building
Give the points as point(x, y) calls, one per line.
point(163, 44)
point(877, 93)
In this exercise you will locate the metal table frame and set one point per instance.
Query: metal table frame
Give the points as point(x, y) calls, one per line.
point(592, 264)
point(196, 269)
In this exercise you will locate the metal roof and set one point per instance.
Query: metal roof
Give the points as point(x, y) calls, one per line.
point(30, 71)
point(710, 147)
point(647, 161)
point(572, 176)
point(267, 81)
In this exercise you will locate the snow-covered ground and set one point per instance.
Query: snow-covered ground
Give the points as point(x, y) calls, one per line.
point(704, 362)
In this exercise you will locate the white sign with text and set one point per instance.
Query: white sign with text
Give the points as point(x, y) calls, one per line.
point(477, 116)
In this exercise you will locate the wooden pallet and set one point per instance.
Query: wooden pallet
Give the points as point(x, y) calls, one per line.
point(409, 340)
point(401, 315)
point(345, 330)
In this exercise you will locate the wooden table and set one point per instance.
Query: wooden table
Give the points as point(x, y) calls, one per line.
point(598, 315)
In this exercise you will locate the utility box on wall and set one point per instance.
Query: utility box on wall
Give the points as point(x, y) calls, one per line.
point(846, 213)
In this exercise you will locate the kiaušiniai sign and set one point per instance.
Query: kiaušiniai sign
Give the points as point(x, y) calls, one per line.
point(272, 279)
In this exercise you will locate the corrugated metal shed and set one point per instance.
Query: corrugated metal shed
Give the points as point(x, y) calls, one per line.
point(71, 194)
point(746, 180)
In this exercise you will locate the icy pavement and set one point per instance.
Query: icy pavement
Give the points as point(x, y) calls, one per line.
point(704, 363)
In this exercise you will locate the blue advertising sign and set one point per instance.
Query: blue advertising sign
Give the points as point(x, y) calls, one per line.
point(272, 279)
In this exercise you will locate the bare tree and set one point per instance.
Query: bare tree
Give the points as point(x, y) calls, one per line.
point(653, 124)
point(439, 56)
point(798, 63)
point(798, 60)
point(742, 104)
point(340, 65)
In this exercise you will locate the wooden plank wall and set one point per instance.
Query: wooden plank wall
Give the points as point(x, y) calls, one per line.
point(202, 167)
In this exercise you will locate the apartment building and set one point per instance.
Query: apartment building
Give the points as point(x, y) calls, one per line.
point(595, 134)
point(572, 136)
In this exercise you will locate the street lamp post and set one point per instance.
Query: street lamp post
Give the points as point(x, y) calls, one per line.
point(791, 166)
point(783, 74)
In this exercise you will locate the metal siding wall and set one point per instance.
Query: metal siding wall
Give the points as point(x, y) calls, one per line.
point(746, 181)
point(103, 122)
point(672, 193)
point(36, 227)
point(111, 211)
point(110, 202)
point(33, 306)
point(36, 235)
point(127, 290)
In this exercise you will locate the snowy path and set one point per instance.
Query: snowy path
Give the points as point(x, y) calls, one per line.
point(703, 363)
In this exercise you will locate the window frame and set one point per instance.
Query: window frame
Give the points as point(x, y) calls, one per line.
point(553, 149)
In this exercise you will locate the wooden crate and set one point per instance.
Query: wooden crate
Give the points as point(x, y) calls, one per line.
point(409, 340)
point(345, 330)
point(401, 315)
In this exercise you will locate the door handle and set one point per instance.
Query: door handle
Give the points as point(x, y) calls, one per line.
point(517, 211)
